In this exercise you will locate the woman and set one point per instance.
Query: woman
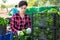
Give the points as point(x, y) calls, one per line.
point(20, 20)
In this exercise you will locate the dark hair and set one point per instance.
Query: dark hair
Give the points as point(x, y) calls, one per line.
point(15, 5)
point(21, 3)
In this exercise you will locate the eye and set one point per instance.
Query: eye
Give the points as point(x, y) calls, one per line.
point(24, 7)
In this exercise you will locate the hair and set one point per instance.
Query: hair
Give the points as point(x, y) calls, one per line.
point(16, 5)
point(21, 3)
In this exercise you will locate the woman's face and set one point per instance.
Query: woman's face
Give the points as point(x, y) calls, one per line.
point(22, 8)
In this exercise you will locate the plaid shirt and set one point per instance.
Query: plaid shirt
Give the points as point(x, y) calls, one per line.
point(17, 23)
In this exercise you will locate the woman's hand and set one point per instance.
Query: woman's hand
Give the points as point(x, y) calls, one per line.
point(28, 30)
point(20, 33)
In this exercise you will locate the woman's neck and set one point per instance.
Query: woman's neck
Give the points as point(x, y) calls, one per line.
point(22, 14)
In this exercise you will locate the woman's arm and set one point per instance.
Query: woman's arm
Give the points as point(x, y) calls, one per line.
point(12, 25)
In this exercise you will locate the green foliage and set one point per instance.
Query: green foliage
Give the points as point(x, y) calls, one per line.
point(55, 2)
point(52, 10)
point(3, 6)
point(59, 13)
point(39, 3)
point(21, 34)
point(31, 10)
point(3, 22)
point(38, 17)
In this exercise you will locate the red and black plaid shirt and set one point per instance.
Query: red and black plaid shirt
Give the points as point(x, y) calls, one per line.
point(17, 23)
